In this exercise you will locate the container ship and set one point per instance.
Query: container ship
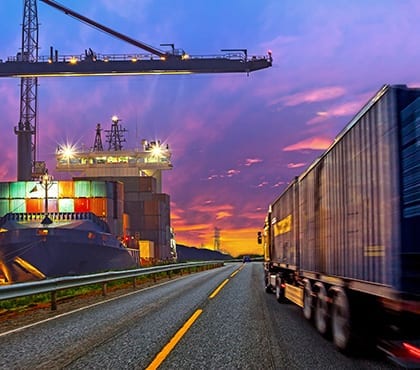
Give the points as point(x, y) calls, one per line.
point(111, 215)
point(36, 247)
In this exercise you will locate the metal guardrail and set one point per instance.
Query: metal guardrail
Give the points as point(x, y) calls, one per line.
point(53, 285)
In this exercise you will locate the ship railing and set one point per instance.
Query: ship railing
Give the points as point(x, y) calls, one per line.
point(56, 216)
point(53, 285)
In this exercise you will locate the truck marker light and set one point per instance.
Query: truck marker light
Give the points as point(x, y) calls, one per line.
point(412, 349)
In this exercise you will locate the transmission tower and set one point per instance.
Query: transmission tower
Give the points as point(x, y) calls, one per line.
point(216, 239)
point(115, 136)
point(27, 126)
point(97, 146)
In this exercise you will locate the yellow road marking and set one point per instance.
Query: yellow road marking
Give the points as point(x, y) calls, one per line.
point(218, 289)
point(234, 273)
point(173, 342)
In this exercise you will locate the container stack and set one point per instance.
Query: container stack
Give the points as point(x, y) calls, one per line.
point(104, 199)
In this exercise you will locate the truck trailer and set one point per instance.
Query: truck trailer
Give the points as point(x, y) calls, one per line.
point(343, 239)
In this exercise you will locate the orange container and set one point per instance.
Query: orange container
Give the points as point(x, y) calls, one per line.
point(98, 206)
point(82, 204)
point(66, 189)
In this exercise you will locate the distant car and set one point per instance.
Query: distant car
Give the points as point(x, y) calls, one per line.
point(247, 259)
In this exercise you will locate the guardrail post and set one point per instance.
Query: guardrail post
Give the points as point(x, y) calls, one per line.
point(104, 286)
point(53, 300)
point(134, 283)
point(154, 278)
point(169, 273)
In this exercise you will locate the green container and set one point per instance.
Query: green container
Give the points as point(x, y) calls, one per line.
point(98, 189)
point(65, 205)
point(18, 205)
point(82, 189)
point(4, 207)
point(4, 190)
point(18, 189)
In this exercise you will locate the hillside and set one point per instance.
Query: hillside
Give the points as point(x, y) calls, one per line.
point(199, 254)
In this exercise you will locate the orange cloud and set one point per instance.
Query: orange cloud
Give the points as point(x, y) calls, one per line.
point(223, 214)
point(316, 143)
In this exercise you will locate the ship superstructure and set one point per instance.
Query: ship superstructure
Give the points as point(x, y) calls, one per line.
point(146, 209)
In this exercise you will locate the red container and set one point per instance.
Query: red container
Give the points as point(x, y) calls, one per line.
point(82, 204)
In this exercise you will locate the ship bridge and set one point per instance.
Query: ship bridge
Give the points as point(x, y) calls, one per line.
point(150, 159)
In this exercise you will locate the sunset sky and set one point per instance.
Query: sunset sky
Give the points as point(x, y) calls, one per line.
point(236, 140)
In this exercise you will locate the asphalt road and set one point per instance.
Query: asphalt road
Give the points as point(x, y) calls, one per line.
point(237, 326)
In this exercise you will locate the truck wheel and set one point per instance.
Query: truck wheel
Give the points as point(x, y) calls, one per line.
point(340, 321)
point(307, 300)
point(279, 290)
point(321, 310)
point(267, 286)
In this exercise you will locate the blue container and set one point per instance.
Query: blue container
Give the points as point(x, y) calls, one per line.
point(4, 207)
point(98, 189)
point(4, 190)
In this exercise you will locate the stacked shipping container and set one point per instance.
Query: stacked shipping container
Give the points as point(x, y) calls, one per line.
point(98, 197)
point(147, 215)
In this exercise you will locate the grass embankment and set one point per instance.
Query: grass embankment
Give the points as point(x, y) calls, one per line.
point(44, 299)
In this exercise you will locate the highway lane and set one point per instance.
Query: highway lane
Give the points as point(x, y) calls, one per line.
point(122, 333)
point(246, 328)
point(241, 327)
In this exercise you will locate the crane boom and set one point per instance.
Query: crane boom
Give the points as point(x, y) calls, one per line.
point(106, 29)
point(158, 62)
point(102, 66)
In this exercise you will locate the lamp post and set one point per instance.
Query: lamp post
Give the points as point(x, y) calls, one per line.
point(46, 182)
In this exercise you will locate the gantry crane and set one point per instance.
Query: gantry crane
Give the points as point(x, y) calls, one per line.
point(89, 63)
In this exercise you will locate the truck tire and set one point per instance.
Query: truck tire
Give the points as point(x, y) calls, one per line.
point(279, 290)
point(341, 321)
point(321, 310)
point(267, 286)
point(307, 300)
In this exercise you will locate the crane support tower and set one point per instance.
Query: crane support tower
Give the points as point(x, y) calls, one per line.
point(26, 129)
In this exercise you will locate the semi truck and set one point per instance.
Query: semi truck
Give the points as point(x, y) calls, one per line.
point(342, 241)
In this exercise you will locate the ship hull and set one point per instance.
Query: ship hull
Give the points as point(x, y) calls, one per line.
point(31, 254)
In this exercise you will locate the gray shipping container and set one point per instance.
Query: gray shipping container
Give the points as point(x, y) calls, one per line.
point(358, 205)
point(351, 210)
